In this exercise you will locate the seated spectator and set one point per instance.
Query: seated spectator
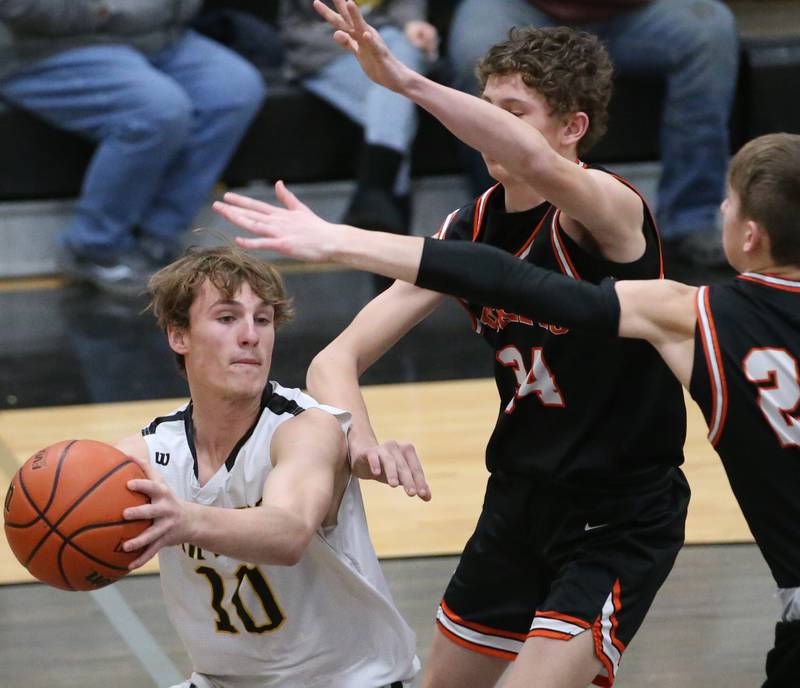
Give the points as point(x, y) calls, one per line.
point(693, 44)
point(382, 196)
point(165, 105)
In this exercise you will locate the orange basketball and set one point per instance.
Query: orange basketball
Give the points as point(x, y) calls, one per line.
point(63, 514)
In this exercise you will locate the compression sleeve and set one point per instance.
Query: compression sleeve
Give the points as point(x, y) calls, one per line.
point(487, 276)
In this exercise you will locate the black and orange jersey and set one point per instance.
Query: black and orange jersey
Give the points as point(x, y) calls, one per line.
point(746, 379)
point(576, 409)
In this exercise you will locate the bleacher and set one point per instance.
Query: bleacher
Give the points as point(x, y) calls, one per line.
point(301, 139)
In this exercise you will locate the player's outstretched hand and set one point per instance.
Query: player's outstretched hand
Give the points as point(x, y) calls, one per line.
point(354, 34)
point(293, 230)
point(393, 463)
point(171, 522)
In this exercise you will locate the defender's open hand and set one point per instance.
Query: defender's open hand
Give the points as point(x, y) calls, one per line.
point(354, 34)
point(293, 230)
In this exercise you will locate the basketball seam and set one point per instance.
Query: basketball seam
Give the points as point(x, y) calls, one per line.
point(68, 542)
point(54, 527)
point(49, 503)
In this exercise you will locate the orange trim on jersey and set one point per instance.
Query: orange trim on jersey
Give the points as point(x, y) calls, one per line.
point(715, 426)
point(480, 211)
point(474, 647)
point(445, 225)
point(560, 249)
point(547, 633)
point(758, 279)
point(473, 320)
point(564, 617)
point(487, 630)
point(536, 229)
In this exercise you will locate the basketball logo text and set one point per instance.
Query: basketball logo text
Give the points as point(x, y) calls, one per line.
point(97, 580)
point(39, 461)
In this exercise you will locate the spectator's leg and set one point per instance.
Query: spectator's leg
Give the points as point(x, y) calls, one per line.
point(694, 44)
point(225, 92)
point(390, 124)
point(477, 25)
point(139, 119)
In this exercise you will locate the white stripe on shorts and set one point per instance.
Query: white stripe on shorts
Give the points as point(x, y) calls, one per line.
point(476, 637)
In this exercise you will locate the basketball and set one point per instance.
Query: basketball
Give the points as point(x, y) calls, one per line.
point(63, 514)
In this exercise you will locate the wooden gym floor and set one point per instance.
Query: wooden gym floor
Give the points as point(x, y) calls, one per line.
point(76, 365)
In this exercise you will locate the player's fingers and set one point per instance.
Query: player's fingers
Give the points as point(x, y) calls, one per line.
point(241, 201)
point(288, 199)
point(333, 18)
point(344, 15)
point(146, 486)
point(389, 468)
point(344, 39)
point(258, 217)
point(276, 245)
point(374, 460)
point(356, 20)
point(242, 219)
point(233, 215)
point(148, 554)
point(406, 478)
point(418, 475)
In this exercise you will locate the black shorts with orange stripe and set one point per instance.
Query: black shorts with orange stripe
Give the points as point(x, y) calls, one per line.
point(545, 561)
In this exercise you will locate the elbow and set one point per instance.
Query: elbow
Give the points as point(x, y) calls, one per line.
point(289, 556)
point(292, 547)
point(333, 359)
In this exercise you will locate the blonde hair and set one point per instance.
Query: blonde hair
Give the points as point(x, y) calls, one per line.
point(174, 288)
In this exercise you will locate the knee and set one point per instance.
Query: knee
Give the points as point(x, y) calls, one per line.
point(242, 86)
point(711, 33)
point(162, 113)
point(230, 84)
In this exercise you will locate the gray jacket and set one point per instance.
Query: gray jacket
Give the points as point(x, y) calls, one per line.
point(39, 28)
point(308, 39)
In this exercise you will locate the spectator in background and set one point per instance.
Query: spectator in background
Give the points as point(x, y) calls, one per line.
point(693, 44)
point(165, 105)
point(382, 196)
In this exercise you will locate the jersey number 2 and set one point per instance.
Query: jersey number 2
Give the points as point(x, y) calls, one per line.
point(271, 610)
point(537, 380)
point(776, 374)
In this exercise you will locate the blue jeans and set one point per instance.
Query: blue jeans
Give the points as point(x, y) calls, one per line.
point(693, 44)
point(165, 126)
point(388, 119)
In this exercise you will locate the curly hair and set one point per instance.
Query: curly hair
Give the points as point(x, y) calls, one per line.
point(570, 69)
point(174, 288)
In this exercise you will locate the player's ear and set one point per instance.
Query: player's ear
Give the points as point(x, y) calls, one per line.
point(178, 339)
point(755, 237)
point(575, 127)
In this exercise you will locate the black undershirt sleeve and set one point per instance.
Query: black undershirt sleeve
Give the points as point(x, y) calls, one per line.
point(491, 277)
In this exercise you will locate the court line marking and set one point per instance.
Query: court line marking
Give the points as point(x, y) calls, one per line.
point(119, 614)
point(8, 462)
point(141, 642)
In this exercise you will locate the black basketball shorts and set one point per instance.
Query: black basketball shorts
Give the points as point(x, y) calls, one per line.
point(555, 563)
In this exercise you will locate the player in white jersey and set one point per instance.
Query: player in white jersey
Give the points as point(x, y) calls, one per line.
point(267, 569)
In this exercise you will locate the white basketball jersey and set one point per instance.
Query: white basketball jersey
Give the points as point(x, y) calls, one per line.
point(327, 622)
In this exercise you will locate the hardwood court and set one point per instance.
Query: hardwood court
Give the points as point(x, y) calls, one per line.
point(449, 438)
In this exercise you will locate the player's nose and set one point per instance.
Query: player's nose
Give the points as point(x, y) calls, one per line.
point(248, 332)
